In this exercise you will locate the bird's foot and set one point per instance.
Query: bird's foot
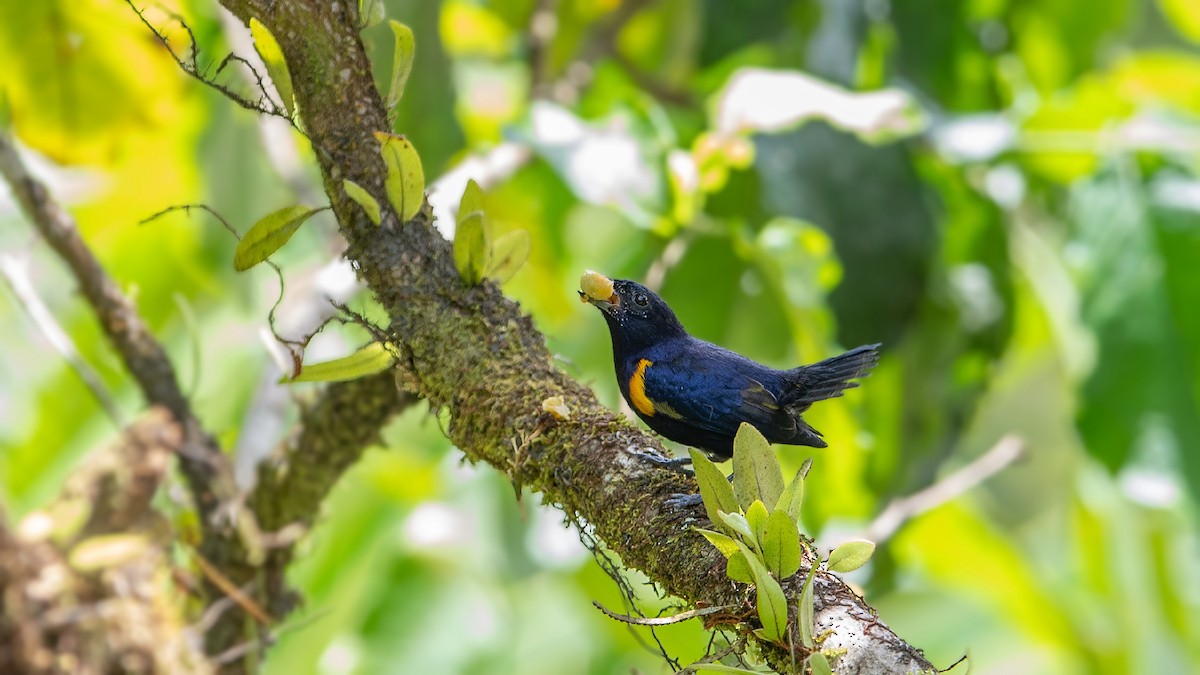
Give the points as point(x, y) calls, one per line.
point(677, 464)
point(683, 502)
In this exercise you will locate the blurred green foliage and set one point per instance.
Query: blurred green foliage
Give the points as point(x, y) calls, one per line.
point(1005, 192)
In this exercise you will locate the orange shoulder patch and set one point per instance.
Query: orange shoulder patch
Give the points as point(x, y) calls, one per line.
point(637, 389)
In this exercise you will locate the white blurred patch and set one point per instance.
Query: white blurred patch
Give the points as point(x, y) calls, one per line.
point(1005, 184)
point(757, 99)
point(437, 525)
point(682, 166)
point(978, 302)
point(974, 138)
point(343, 655)
point(487, 169)
point(554, 544)
point(1150, 479)
point(1149, 488)
point(604, 165)
point(1177, 192)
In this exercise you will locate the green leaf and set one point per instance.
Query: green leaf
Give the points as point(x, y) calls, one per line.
point(714, 487)
point(726, 545)
point(268, 235)
point(374, 358)
point(738, 569)
point(405, 178)
point(819, 664)
point(363, 198)
point(472, 200)
point(402, 63)
point(371, 12)
point(272, 56)
point(772, 605)
point(806, 611)
point(737, 523)
point(756, 517)
point(780, 542)
point(792, 497)
point(850, 555)
point(509, 253)
point(756, 472)
point(471, 249)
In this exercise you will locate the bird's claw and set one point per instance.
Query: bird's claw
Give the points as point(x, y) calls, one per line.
point(683, 502)
point(676, 464)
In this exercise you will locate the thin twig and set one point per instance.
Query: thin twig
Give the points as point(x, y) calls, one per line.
point(1006, 451)
point(663, 620)
point(191, 66)
point(16, 273)
point(232, 591)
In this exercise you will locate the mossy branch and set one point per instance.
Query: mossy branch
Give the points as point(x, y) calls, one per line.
point(474, 351)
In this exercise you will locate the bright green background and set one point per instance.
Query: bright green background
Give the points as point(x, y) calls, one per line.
point(1025, 241)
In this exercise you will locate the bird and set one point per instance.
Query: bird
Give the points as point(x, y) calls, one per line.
point(697, 393)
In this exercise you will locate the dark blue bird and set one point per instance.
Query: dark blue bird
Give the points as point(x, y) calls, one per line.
point(697, 393)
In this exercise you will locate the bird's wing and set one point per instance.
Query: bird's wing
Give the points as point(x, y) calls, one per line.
point(712, 392)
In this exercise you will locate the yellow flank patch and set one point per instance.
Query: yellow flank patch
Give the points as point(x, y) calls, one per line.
point(637, 389)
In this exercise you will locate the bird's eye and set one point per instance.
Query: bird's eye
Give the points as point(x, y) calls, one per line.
point(641, 300)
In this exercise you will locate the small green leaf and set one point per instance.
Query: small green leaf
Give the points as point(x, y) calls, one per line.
point(756, 472)
point(726, 545)
point(472, 200)
point(471, 249)
point(738, 569)
point(374, 358)
point(792, 497)
point(806, 610)
point(819, 664)
point(756, 517)
point(402, 63)
point(371, 12)
point(714, 487)
point(509, 253)
point(268, 235)
point(850, 555)
point(405, 178)
point(363, 198)
point(772, 605)
point(272, 56)
point(781, 545)
point(737, 523)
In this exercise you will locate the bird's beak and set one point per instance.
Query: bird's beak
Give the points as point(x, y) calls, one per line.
point(604, 305)
point(598, 290)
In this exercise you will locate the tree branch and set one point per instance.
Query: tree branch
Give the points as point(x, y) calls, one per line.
point(472, 350)
point(345, 421)
point(205, 468)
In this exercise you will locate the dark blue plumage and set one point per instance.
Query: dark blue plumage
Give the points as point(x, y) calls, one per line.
point(697, 393)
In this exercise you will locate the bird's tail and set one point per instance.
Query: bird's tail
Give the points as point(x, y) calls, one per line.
point(829, 378)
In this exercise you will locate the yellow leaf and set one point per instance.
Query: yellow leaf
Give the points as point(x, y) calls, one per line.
point(374, 358)
point(509, 253)
point(363, 198)
point(405, 178)
point(272, 56)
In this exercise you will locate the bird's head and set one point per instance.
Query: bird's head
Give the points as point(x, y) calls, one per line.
point(636, 316)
